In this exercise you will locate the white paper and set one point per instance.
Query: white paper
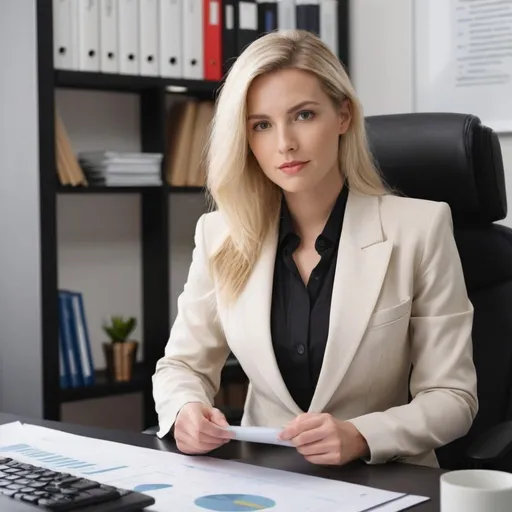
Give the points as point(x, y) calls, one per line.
point(184, 483)
point(259, 435)
point(463, 59)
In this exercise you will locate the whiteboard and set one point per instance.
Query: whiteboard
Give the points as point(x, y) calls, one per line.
point(463, 59)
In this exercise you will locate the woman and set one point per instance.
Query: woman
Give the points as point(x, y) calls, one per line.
point(326, 287)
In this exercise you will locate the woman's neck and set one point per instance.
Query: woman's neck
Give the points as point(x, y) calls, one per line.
point(311, 209)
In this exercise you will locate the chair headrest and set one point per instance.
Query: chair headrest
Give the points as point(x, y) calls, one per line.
point(442, 157)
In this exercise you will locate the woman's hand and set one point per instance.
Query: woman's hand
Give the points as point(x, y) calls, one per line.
point(200, 429)
point(323, 439)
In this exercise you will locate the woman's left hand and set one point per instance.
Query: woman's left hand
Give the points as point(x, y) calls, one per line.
point(323, 439)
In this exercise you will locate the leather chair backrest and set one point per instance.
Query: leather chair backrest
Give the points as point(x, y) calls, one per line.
point(455, 159)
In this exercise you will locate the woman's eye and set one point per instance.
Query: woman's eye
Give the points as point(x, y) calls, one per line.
point(262, 125)
point(306, 115)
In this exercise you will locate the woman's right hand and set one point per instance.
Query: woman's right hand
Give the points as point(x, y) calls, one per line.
point(200, 428)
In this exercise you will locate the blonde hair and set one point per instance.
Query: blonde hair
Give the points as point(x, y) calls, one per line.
point(247, 199)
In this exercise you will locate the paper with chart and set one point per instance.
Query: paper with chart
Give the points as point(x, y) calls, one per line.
point(179, 482)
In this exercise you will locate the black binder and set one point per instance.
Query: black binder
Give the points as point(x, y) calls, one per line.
point(229, 33)
point(267, 17)
point(247, 24)
point(308, 17)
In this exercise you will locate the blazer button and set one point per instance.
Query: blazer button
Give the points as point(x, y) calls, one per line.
point(301, 349)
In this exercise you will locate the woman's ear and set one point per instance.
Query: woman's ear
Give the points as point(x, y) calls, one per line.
point(345, 116)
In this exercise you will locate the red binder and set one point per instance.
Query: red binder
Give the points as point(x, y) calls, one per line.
point(212, 22)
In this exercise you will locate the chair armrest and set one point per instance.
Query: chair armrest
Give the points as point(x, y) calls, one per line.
point(151, 431)
point(493, 444)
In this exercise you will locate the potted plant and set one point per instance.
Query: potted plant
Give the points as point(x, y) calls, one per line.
point(121, 351)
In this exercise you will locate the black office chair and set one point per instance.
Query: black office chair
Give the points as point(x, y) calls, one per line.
point(454, 158)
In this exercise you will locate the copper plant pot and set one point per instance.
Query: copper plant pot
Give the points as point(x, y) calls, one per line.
point(120, 358)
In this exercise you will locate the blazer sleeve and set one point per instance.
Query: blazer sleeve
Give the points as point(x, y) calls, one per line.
point(443, 380)
point(196, 351)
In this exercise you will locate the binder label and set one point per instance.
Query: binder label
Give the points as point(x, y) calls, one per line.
point(230, 17)
point(214, 12)
point(248, 16)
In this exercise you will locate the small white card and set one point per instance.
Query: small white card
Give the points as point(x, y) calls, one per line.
point(264, 435)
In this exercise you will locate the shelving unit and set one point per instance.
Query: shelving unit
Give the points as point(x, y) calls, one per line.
point(154, 216)
point(103, 387)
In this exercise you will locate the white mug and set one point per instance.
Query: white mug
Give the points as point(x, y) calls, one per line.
point(476, 490)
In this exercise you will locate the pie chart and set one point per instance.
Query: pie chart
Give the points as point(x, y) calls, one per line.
point(234, 502)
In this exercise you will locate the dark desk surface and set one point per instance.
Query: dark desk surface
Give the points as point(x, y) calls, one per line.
point(396, 477)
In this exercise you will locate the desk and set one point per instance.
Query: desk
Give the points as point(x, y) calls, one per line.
point(393, 476)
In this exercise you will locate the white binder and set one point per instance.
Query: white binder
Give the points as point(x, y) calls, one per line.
point(329, 24)
point(109, 52)
point(193, 40)
point(89, 34)
point(148, 37)
point(170, 38)
point(65, 34)
point(286, 15)
point(128, 31)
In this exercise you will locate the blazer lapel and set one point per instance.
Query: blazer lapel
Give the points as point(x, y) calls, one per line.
point(363, 258)
point(254, 307)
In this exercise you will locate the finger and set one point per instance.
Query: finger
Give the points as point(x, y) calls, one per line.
point(302, 425)
point(314, 435)
point(218, 418)
point(203, 437)
point(198, 433)
point(319, 448)
point(323, 459)
point(200, 445)
point(213, 430)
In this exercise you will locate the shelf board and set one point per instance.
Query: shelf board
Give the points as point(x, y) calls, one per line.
point(125, 190)
point(130, 83)
point(231, 373)
point(104, 388)
point(94, 189)
point(186, 190)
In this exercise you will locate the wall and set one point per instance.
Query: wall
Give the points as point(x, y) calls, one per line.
point(382, 64)
point(20, 311)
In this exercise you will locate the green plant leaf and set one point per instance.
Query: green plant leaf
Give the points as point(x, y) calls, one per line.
point(119, 329)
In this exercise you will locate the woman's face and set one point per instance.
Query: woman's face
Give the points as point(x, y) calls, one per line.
point(293, 129)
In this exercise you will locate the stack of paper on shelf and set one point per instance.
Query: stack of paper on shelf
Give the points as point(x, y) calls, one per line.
point(118, 169)
point(188, 128)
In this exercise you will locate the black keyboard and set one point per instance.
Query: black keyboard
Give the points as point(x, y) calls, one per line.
point(36, 488)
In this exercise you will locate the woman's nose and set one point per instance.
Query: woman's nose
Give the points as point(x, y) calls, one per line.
point(287, 141)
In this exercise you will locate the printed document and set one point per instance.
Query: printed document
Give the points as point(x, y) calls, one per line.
point(184, 483)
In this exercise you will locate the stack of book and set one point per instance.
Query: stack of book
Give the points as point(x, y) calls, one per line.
point(188, 127)
point(68, 169)
point(76, 362)
point(114, 169)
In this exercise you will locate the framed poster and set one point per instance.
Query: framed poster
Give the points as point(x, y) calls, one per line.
point(463, 59)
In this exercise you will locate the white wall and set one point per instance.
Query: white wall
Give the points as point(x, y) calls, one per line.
point(382, 64)
point(20, 309)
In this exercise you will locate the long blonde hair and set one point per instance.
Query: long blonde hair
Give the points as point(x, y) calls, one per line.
point(247, 199)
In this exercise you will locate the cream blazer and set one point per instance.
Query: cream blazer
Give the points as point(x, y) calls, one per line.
point(399, 301)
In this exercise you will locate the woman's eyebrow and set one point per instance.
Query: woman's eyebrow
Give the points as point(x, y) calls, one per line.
point(289, 111)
